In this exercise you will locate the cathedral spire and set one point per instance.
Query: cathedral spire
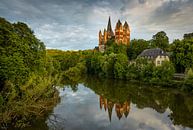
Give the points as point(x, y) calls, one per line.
point(109, 28)
point(110, 109)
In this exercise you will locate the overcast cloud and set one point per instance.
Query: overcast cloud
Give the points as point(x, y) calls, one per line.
point(74, 24)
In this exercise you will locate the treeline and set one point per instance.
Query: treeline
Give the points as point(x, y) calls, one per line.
point(26, 76)
point(181, 51)
point(114, 63)
point(122, 62)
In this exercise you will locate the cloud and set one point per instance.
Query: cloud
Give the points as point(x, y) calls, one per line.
point(67, 37)
point(66, 24)
point(173, 13)
point(142, 1)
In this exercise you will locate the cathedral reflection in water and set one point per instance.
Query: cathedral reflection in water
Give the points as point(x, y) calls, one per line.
point(120, 108)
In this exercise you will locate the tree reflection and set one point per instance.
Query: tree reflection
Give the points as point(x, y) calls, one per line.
point(115, 94)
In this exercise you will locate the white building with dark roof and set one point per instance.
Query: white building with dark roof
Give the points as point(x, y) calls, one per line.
point(156, 54)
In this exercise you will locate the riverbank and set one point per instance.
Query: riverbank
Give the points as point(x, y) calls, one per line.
point(37, 99)
point(114, 64)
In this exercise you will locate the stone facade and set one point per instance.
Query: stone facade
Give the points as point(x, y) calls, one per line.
point(121, 36)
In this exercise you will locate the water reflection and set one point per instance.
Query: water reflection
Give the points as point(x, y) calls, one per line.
point(160, 99)
point(113, 105)
point(120, 108)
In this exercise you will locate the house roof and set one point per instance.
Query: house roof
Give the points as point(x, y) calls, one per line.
point(153, 53)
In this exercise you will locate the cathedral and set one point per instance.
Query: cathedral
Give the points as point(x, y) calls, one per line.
point(121, 35)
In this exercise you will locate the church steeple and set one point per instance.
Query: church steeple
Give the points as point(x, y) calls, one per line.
point(110, 109)
point(109, 28)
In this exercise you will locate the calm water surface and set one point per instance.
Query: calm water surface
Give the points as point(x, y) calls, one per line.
point(118, 105)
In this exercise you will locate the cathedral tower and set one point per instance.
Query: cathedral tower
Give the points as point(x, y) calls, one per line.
point(105, 36)
point(119, 32)
point(110, 33)
point(121, 36)
point(126, 34)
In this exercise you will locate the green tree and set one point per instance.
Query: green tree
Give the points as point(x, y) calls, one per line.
point(160, 40)
point(113, 47)
point(120, 66)
point(182, 54)
point(163, 73)
point(136, 47)
point(107, 63)
point(21, 52)
point(188, 36)
point(25, 75)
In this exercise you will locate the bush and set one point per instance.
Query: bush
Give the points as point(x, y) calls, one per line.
point(164, 73)
point(189, 80)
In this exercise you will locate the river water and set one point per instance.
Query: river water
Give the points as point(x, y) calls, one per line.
point(95, 104)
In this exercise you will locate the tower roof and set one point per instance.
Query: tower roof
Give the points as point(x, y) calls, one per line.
point(119, 24)
point(110, 109)
point(126, 113)
point(109, 28)
point(105, 30)
point(126, 25)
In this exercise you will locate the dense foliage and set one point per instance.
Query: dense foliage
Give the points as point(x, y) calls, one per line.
point(21, 53)
point(122, 62)
point(160, 40)
point(136, 47)
point(25, 75)
point(188, 36)
point(116, 65)
point(113, 63)
point(182, 54)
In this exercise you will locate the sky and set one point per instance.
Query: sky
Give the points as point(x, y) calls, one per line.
point(74, 24)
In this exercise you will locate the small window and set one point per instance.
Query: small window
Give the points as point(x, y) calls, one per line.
point(158, 62)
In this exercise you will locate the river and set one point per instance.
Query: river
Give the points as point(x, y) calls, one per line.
point(95, 104)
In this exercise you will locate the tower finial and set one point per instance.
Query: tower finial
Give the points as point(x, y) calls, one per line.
point(109, 28)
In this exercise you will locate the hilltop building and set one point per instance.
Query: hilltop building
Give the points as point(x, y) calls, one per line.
point(156, 54)
point(121, 35)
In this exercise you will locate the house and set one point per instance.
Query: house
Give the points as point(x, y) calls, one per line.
point(156, 54)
